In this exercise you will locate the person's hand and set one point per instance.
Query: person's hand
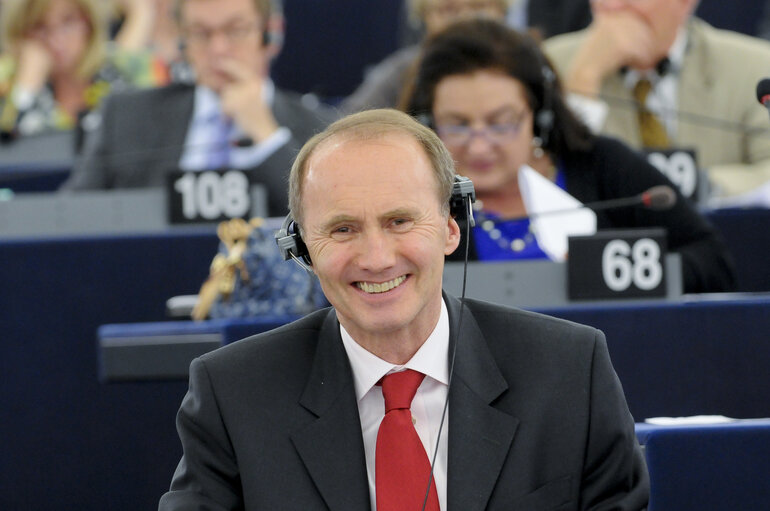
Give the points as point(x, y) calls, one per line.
point(242, 100)
point(613, 40)
point(138, 24)
point(34, 65)
point(134, 6)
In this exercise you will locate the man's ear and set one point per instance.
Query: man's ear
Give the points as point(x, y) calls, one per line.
point(453, 235)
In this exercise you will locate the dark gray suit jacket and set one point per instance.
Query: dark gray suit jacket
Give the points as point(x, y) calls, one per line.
point(142, 136)
point(537, 421)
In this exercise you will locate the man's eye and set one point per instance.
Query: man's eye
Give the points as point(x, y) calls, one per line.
point(340, 230)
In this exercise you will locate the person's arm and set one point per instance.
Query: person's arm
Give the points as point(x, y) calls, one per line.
point(207, 476)
point(612, 41)
point(139, 21)
point(243, 100)
point(615, 473)
point(754, 170)
point(33, 67)
point(269, 159)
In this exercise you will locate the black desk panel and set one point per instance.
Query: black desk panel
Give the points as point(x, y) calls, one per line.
point(70, 442)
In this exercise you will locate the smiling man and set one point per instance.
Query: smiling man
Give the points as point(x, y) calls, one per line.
point(343, 409)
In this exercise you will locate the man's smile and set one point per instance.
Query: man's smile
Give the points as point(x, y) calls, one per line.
point(374, 287)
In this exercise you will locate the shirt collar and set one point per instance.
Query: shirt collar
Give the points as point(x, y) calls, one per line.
point(678, 50)
point(206, 104)
point(431, 359)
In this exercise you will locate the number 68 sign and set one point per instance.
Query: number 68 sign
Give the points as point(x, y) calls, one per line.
point(617, 264)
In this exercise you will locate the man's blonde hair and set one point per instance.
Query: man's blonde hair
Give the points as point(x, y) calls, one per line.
point(373, 125)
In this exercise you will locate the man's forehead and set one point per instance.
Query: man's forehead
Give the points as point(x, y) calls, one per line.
point(645, 4)
point(223, 9)
point(341, 154)
point(339, 146)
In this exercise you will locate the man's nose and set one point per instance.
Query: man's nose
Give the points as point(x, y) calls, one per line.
point(376, 251)
point(218, 42)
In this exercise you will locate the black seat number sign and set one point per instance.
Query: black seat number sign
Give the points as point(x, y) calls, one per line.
point(208, 196)
point(617, 264)
point(680, 166)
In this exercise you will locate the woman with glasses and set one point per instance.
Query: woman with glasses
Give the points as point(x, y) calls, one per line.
point(495, 101)
point(57, 65)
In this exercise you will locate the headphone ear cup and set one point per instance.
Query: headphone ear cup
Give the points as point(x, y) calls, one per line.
point(290, 243)
point(463, 196)
point(545, 116)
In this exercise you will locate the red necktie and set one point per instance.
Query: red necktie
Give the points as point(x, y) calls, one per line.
point(401, 468)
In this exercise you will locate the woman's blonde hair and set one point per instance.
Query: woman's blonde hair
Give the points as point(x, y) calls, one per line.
point(18, 17)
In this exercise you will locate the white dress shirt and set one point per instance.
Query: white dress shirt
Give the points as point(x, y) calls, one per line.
point(202, 131)
point(427, 406)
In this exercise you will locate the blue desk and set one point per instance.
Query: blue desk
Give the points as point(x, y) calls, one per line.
point(164, 350)
point(70, 442)
point(37, 163)
point(708, 467)
point(701, 357)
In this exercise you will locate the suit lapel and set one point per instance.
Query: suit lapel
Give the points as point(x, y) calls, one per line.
point(332, 446)
point(696, 84)
point(179, 109)
point(480, 436)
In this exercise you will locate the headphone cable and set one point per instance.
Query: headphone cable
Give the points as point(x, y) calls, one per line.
point(468, 217)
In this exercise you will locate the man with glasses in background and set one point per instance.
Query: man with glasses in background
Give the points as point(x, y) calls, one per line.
point(231, 117)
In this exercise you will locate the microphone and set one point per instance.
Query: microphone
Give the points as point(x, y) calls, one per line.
point(763, 92)
point(688, 117)
point(657, 198)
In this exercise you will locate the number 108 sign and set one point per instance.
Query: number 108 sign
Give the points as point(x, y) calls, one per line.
point(208, 196)
point(617, 264)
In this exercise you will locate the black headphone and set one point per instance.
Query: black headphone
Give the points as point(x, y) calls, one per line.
point(291, 245)
point(545, 116)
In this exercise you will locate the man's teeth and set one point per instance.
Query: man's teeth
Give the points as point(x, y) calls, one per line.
point(380, 288)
